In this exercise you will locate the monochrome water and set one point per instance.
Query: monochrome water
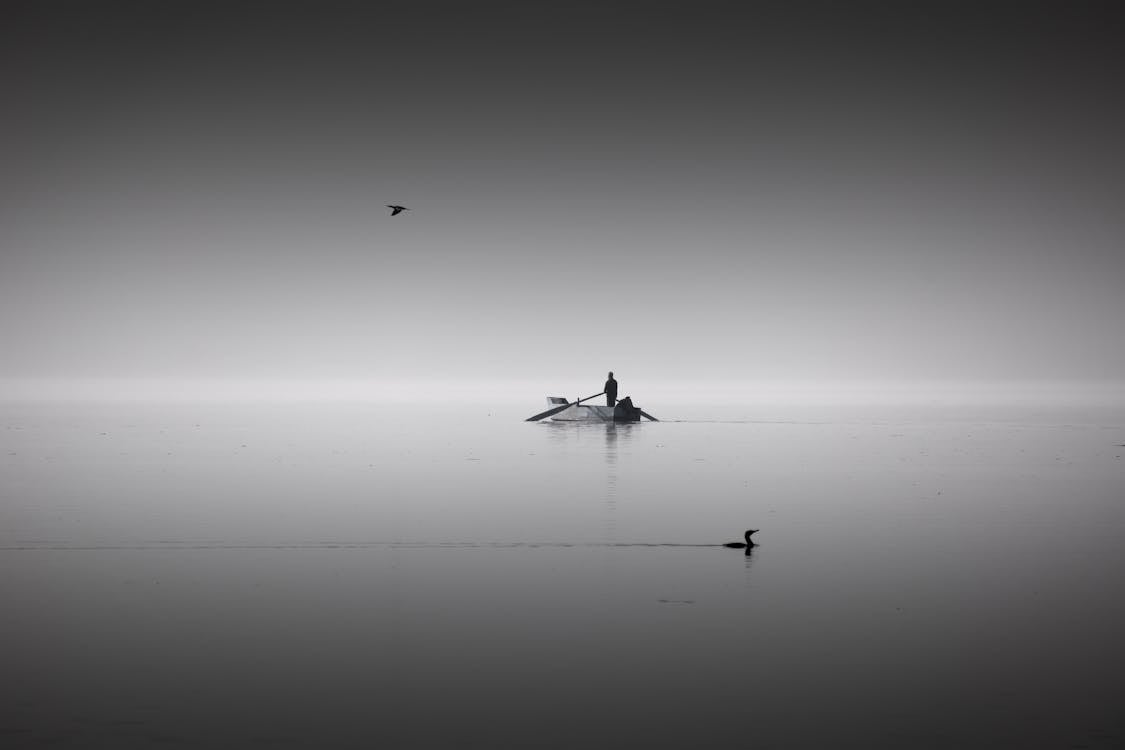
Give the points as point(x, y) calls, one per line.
point(280, 284)
point(419, 575)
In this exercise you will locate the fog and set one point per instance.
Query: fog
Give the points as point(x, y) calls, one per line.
point(728, 195)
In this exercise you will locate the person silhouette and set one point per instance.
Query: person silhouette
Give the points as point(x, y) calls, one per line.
point(610, 391)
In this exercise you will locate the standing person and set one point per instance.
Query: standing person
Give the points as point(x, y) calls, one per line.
point(610, 391)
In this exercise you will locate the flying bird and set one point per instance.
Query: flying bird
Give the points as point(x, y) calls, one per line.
point(396, 210)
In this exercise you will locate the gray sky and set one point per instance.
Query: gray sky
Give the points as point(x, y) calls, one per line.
point(809, 191)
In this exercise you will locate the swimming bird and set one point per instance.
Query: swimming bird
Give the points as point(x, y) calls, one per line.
point(747, 544)
point(395, 210)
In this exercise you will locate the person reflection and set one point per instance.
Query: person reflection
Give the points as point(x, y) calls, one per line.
point(611, 444)
point(609, 453)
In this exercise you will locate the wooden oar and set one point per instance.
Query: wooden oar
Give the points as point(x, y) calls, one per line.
point(557, 409)
point(647, 415)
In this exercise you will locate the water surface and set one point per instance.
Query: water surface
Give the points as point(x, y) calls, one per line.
point(433, 576)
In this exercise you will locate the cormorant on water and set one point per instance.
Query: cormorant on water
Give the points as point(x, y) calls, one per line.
point(395, 210)
point(740, 545)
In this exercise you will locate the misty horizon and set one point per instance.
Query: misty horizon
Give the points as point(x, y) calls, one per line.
point(283, 465)
point(527, 393)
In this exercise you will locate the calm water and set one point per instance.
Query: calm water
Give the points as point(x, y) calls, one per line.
point(321, 575)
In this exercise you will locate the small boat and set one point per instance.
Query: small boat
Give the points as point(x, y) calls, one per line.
point(578, 412)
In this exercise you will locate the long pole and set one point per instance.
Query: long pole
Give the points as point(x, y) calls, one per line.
point(557, 409)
